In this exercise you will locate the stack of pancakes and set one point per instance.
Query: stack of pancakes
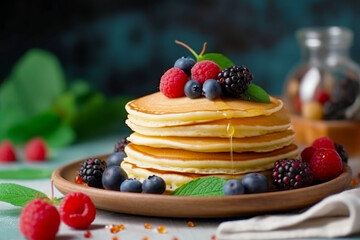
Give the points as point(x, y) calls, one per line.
point(181, 139)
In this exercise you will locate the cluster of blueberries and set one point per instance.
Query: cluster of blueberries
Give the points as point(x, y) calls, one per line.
point(115, 178)
point(251, 183)
point(211, 88)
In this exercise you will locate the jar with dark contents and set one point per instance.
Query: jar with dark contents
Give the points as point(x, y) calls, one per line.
point(325, 84)
point(322, 91)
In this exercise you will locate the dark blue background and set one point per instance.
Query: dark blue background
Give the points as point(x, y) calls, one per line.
point(123, 47)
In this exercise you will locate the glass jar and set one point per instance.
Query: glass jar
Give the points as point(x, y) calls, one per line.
point(325, 84)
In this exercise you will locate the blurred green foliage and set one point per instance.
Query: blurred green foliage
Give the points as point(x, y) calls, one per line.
point(35, 101)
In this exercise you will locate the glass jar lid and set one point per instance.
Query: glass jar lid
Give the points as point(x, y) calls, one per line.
point(325, 37)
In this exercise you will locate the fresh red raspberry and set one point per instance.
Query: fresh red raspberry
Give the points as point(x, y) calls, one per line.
point(325, 164)
point(39, 220)
point(205, 70)
point(323, 142)
point(172, 83)
point(36, 149)
point(77, 210)
point(7, 153)
point(307, 153)
point(322, 96)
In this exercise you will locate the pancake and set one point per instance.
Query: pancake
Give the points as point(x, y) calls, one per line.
point(174, 180)
point(243, 127)
point(264, 143)
point(156, 110)
point(205, 163)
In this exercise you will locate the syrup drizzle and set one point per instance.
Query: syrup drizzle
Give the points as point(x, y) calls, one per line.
point(226, 111)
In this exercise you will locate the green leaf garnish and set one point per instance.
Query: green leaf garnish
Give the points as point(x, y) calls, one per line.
point(207, 186)
point(256, 94)
point(222, 61)
point(18, 195)
point(26, 173)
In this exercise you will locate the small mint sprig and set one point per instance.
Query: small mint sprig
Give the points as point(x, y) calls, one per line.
point(222, 61)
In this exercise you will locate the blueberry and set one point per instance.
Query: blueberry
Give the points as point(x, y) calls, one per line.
point(192, 89)
point(185, 64)
point(131, 185)
point(255, 183)
point(233, 187)
point(112, 177)
point(115, 159)
point(154, 184)
point(212, 89)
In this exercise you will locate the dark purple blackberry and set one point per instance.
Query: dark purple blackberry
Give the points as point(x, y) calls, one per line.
point(291, 174)
point(120, 145)
point(91, 172)
point(342, 152)
point(341, 98)
point(235, 80)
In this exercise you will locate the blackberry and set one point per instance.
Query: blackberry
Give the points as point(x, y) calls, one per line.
point(91, 172)
point(291, 174)
point(235, 80)
point(341, 98)
point(342, 152)
point(120, 145)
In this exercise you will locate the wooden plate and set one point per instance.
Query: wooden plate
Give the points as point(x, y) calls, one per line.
point(198, 207)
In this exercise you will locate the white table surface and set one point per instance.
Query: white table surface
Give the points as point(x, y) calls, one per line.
point(177, 229)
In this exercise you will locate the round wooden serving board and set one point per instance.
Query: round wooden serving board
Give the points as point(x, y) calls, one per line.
point(198, 207)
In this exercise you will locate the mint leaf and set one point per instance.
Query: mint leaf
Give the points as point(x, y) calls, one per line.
point(256, 94)
point(218, 58)
point(26, 173)
point(18, 195)
point(39, 79)
point(207, 186)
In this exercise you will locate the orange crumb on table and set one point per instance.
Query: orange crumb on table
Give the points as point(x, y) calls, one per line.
point(213, 237)
point(147, 225)
point(191, 224)
point(354, 182)
point(145, 238)
point(161, 229)
point(88, 234)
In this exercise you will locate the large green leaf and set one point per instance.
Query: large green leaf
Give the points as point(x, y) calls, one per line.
point(63, 135)
point(38, 79)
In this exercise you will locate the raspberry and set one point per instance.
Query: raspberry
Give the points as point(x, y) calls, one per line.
point(323, 142)
point(326, 164)
point(204, 70)
point(36, 150)
point(7, 153)
point(307, 153)
point(77, 210)
point(39, 220)
point(291, 174)
point(172, 83)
